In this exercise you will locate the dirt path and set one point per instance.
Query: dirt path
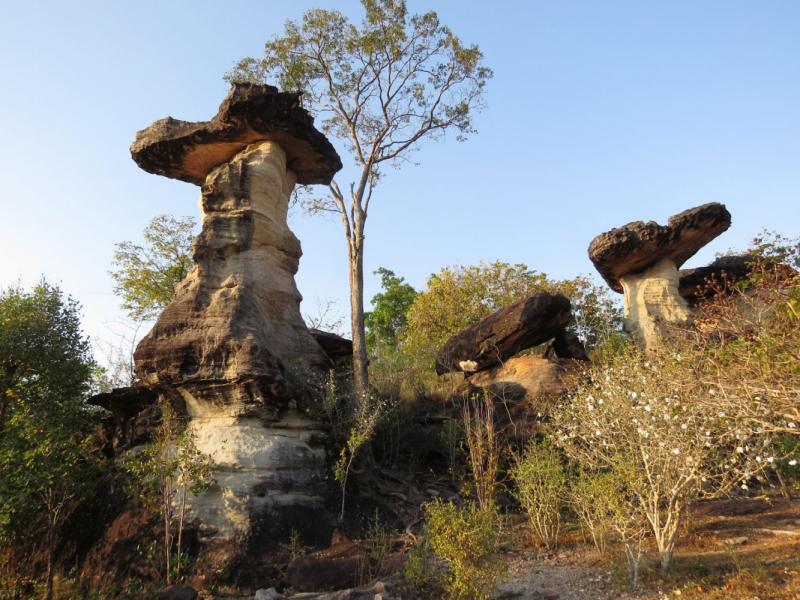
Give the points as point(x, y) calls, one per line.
point(563, 576)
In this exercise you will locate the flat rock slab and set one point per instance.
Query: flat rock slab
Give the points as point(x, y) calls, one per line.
point(249, 114)
point(637, 246)
point(500, 336)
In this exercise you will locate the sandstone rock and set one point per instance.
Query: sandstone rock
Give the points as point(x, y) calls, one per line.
point(693, 283)
point(231, 351)
point(637, 246)
point(249, 114)
point(653, 304)
point(335, 346)
point(567, 345)
point(498, 337)
point(527, 378)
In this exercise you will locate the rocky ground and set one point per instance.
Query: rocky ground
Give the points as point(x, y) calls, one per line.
point(741, 549)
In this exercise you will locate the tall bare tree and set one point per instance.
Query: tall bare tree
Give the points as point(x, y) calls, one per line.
point(382, 89)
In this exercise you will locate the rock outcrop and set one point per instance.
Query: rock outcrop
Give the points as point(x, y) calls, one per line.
point(501, 335)
point(232, 347)
point(642, 259)
point(530, 378)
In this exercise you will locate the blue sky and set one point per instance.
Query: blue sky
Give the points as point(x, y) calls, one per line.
point(600, 113)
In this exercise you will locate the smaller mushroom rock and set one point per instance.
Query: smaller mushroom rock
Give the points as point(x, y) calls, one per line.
point(501, 335)
point(637, 246)
point(567, 345)
point(694, 283)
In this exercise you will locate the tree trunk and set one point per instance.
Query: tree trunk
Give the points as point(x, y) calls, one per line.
point(360, 360)
point(51, 554)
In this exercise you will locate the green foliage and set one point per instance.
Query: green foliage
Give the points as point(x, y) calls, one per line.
point(163, 475)
point(465, 541)
point(388, 318)
point(593, 497)
point(47, 457)
point(542, 489)
point(146, 276)
point(459, 296)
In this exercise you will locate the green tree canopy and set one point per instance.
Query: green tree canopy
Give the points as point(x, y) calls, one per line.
point(382, 88)
point(46, 451)
point(386, 322)
point(146, 276)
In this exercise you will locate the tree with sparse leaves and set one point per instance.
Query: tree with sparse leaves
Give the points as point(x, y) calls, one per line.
point(382, 89)
point(147, 275)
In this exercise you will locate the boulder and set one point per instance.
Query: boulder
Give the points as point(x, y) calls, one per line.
point(693, 284)
point(500, 336)
point(567, 345)
point(637, 246)
point(177, 592)
point(318, 573)
point(335, 346)
point(531, 378)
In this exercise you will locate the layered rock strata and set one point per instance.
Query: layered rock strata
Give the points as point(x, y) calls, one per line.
point(232, 342)
point(500, 336)
point(641, 260)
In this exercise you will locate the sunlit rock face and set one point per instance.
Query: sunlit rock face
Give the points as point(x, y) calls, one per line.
point(232, 347)
point(654, 308)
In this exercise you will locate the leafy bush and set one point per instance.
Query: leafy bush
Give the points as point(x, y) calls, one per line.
point(465, 542)
point(542, 489)
point(642, 418)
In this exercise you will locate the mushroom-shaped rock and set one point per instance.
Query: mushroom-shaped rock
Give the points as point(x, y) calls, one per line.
point(637, 246)
point(642, 259)
point(500, 336)
point(249, 114)
point(232, 344)
point(694, 284)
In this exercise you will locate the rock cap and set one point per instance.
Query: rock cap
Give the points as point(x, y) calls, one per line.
point(694, 283)
point(637, 246)
point(500, 336)
point(250, 113)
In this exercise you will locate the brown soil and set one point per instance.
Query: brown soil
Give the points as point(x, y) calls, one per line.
point(741, 549)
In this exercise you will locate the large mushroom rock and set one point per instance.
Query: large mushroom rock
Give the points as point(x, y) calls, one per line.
point(702, 282)
point(641, 260)
point(232, 341)
point(500, 336)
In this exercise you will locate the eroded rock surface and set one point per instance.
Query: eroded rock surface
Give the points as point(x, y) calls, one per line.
point(653, 304)
point(501, 335)
point(231, 351)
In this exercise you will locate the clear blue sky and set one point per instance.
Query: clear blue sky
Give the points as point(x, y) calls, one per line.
point(600, 113)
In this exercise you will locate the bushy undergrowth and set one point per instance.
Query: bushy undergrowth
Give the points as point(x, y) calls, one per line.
point(461, 550)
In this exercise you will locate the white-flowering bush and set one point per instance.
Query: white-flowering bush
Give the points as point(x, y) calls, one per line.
point(642, 419)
